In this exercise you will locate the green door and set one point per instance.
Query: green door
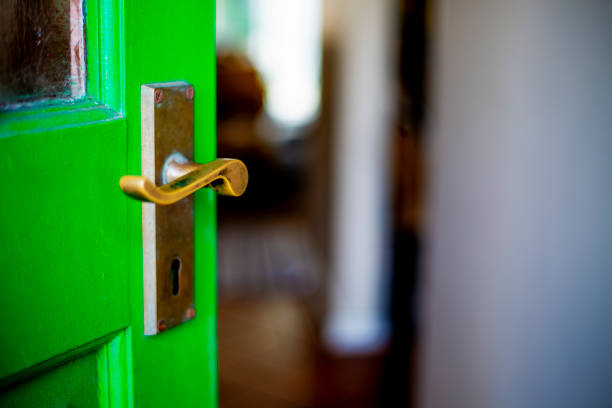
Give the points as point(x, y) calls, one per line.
point(71, 284)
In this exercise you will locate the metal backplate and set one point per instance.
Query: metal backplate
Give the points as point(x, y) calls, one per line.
point(167, 231)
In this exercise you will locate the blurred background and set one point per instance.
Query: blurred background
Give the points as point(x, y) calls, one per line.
point(427, 218)
point(323, 101)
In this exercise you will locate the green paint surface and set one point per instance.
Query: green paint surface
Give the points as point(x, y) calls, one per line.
point(63, 240)
point(97, 376)
point(71, 244)
point(176, 39)
point(74, 385)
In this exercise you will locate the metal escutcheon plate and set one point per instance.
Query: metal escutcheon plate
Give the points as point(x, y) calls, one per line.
point(167, 231)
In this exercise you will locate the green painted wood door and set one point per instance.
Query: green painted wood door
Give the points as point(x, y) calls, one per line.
point(71, 297)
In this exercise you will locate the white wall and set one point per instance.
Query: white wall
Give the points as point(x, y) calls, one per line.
point(518, 272)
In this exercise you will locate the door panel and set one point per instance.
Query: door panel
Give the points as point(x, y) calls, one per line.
point(72, 384)
point(63, 241)
point(95, 377)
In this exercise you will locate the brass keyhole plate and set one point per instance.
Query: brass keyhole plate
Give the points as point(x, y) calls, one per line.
point(167, 231)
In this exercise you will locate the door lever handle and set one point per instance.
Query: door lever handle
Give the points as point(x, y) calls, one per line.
point(181, 177)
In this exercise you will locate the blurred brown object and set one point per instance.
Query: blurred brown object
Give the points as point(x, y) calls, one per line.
point(239, 89)
point(240, 98)
point(408, 174)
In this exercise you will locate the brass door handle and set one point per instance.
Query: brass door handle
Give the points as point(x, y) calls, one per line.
point(182, 177)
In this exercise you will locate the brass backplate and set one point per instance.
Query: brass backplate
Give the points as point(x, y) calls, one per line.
point(167, 231)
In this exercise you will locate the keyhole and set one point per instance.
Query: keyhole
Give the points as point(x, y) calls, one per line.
point(175, 268)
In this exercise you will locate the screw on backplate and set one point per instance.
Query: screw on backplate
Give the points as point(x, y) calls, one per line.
point(190, 313)
point(189, 92)
point(159, 96)
point(161, 325)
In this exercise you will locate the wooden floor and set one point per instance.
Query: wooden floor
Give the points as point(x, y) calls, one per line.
point(266, 255)
point(269, 356)
point(270, 353)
